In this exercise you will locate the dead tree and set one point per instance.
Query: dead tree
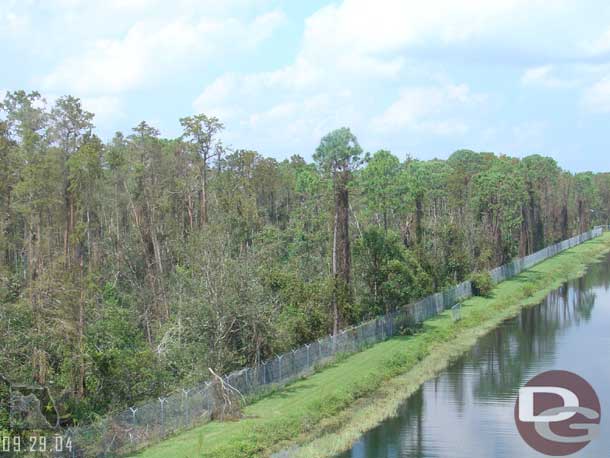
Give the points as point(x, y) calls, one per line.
point(228, 400)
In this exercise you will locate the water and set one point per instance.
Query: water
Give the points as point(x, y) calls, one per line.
point(467, 411)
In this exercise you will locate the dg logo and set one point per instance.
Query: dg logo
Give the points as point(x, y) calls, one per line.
point(557, 413)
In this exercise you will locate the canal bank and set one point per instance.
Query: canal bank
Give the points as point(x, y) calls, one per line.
point(360, 391)
point(481, 315)
point(467, 410)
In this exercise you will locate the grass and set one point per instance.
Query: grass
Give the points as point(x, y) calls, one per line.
point(329, 410)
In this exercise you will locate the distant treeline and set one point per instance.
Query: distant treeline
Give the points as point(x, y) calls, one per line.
point(130, 267)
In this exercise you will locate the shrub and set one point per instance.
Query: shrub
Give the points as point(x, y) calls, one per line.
point(529, 290)
point(482, 284)
point(391, 274)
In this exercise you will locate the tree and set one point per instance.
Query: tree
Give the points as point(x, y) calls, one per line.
point(147, 190)
point(497, 197)
point(391, 273)
point(30, 190)
point(382, 186)
point(70, 125)
point(540, 175)
point(602, 211)
point(427, 185)
point(8, 168)
point(586, 199)
point(34, 206)
point(338, 155)
point(84, 170)
point(201, 131)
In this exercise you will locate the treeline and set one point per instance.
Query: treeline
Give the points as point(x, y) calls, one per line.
point(130, 267)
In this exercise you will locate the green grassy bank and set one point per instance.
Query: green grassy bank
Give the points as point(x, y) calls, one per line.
point(330, 409)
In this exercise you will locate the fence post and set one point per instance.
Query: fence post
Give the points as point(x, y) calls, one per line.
point(185, 401)
point(208, 398)
point(162, 416)
point(279, 365)
point(133, 414)
point(307, 347)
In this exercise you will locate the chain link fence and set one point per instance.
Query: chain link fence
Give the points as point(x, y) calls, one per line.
point(152, 421)
point(518, 265)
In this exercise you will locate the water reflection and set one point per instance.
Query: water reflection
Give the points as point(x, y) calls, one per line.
point(467, 411)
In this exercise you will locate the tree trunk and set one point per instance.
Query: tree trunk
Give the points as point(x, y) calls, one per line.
point(419, 214)
point(80, 387)
point(203, 198)
point(582, 216)
point(564, 222)
point(343, 249)
point(190, 210)
point(524, 234)
point(335, 310)
point(341, 252)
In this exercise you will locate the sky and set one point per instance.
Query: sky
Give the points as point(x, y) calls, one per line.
point(422, 78)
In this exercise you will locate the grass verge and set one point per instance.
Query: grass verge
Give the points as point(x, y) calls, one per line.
point(329, 410)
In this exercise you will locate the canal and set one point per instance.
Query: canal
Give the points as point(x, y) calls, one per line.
point(467, 410)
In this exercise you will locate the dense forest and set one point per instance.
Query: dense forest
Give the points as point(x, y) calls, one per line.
point(128, 268)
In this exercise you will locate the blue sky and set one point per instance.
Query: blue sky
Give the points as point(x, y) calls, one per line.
point(421, 78)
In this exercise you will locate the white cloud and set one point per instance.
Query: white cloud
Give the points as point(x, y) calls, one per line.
point(12, 21)
point(418, 108)
point(598, 46)
point(358, 40)
point(544, 76)
point(151, 50)
point(596, 98)
point(537, 75)
point(389, 25)
point(356, 47)
point(529, 137)
point(104, 107)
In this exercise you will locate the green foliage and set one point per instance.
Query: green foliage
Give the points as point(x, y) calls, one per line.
point(11, 286)
point(482, 284)
point(405, 281)
point(391, 273)
point(383, 187)
point(497, 199)
point(339, 151)
point(4, 406)
point(529, 290)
